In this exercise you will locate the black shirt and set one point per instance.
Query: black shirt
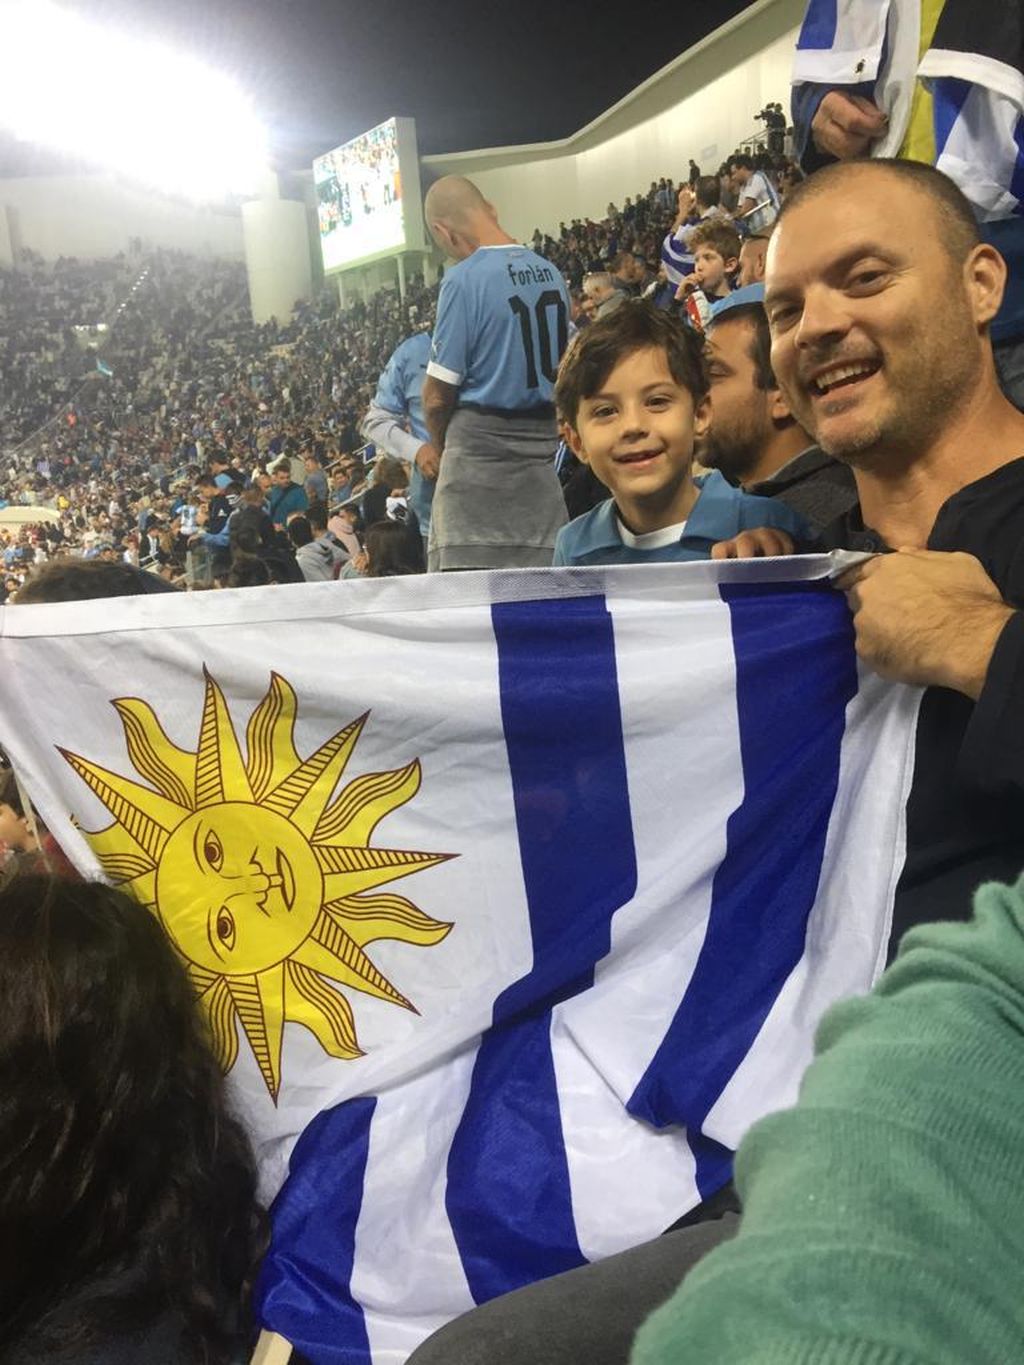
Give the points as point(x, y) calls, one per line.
point(965, 814)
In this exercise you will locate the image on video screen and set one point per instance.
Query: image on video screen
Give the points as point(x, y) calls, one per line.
point(359, 197)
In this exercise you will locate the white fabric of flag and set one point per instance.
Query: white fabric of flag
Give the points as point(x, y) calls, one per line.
point(512, 899)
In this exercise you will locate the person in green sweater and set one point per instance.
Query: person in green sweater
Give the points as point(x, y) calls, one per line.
point(883, 1216)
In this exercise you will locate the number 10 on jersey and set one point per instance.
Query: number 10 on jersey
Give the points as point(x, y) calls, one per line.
point(542, 350)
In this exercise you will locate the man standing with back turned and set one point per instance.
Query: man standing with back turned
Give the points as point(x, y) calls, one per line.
point(502, 325)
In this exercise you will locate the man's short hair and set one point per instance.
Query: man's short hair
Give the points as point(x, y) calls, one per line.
point(760, 349)
point(708, 191)
point(953, 208)
point(719, 235)
point(740, 159)
point(636, 326)
point(622, 259)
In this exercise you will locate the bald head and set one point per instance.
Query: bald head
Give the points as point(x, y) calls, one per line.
point(453, 199)
point(459, 217)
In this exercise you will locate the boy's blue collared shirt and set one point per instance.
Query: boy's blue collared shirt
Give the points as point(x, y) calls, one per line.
point(719, 513)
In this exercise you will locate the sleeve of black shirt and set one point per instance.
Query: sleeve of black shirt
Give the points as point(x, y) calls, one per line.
point(992, 754)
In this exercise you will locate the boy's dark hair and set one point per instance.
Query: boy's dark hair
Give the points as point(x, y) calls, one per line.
point(719, 235)
point(633, 326)
point(740, 159)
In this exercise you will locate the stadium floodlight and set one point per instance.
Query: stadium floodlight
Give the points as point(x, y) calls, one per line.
point(139, 107)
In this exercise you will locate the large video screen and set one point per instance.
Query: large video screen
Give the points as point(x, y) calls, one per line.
point(368, 196)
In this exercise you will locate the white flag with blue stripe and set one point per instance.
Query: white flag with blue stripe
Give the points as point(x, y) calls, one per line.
point(503, 970)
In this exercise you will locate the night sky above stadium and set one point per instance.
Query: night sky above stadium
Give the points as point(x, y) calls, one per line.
point(472, 74)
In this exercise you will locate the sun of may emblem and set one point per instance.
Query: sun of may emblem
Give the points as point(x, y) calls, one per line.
point(266, 886)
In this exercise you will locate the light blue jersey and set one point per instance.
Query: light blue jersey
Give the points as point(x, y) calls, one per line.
point(502, 325)
point(395, 419)
point(400, 387)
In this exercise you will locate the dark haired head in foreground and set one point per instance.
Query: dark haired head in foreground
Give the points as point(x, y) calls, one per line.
point(127, 1199)
point(80, 580)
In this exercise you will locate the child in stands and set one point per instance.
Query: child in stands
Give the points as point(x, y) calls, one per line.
point(633, 391)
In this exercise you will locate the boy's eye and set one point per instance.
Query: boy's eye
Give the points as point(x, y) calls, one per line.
point(604, 410)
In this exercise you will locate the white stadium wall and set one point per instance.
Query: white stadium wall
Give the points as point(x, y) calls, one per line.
point(701, 105)
point(95, 216)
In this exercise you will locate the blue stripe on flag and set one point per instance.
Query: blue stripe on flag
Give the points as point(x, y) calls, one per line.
point(795, 672)
point(948, 98)
point(819, 27)
point(1017, 179)
point(508, 1194)
point(304, 1288)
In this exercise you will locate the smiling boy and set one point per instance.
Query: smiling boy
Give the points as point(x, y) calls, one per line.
point(633, 391)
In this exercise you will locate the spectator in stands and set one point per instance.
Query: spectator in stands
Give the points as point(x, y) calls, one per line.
point(393, 550)
point(396, 425)
point(342, 526)
point(753, 254)
point(319, 559)
point(716, 258)
point(129, 1228)
point(627, 274)
point(316, 480)
point(948, 95)
point(286, 497)
point(600, 294)
point(754, 439)
point(389, 478)
point(487, 398)
point(757, 198)
point(224, 472)
point(633, 395)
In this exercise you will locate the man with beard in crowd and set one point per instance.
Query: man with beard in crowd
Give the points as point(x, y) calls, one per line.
point(755, 440)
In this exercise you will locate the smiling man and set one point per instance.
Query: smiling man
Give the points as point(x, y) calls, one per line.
point(879, 297)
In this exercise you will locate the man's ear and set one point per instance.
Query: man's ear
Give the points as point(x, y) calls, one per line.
point(985, 280)
point(778, 408)
point(702, 417)
point(732, 265)
point(575, 442)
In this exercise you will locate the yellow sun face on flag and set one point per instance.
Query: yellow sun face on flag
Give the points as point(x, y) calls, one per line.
point(264, 881)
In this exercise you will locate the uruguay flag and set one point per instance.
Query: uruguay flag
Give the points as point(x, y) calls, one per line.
point(512, 899)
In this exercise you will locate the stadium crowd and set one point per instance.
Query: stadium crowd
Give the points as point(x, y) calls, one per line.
point(123, 380)
point(843, 357)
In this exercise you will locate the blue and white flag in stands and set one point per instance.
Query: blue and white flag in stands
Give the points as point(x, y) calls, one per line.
point(104, 369)
point(512, 899)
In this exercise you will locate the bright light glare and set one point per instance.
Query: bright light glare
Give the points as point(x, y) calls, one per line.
point(140, 107)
